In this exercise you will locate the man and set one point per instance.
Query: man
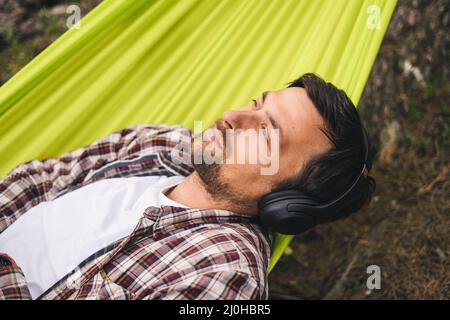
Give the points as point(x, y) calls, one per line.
point(125, 218)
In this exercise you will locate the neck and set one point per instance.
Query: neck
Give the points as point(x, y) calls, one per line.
point(192, 193)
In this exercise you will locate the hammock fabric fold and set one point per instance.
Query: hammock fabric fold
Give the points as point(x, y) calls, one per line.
point(176, 62)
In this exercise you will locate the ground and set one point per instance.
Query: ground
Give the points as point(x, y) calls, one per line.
point(406, 108)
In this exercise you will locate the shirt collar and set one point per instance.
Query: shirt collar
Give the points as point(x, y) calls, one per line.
point(175, 163)
point(170, 219)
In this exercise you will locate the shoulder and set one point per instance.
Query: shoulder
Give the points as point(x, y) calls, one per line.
point(225, 247)
point(159, 129)
point(226, 261)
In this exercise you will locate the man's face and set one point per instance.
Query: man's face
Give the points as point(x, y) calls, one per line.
point(288, 149)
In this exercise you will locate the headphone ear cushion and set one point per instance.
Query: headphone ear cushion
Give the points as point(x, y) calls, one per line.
point(288, 211)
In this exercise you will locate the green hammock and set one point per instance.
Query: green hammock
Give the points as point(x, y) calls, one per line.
point(175, 62)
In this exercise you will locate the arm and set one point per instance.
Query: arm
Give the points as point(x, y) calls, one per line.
point(41, 180)
point(219, 285)
point(13, 285)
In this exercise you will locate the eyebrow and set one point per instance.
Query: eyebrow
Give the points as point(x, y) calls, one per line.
point(264, 95)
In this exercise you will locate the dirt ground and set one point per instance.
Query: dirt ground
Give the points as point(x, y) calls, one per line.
point(406, 108)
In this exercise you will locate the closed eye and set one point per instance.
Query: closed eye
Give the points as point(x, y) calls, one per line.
point(264, 126)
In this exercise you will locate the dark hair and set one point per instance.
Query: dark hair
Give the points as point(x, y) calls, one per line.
point(329, 175)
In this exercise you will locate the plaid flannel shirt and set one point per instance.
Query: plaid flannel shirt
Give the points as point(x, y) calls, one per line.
point(173, 252)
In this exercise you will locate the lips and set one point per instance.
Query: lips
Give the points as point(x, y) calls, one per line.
point(212, 135)
point(215, 137)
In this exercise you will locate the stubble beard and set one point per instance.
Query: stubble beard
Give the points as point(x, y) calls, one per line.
point(218, 189)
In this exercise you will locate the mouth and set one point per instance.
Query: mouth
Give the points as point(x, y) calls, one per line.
point(216, 137)
point(217, 133)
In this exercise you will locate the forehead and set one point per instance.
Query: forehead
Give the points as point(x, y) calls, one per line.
point(296, 110)
point(291, 95)
point(301, 124)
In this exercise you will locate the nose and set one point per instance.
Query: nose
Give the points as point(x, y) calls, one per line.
point(242, 119)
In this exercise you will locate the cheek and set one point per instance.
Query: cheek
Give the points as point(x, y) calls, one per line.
point(247, 151)
point(242, 151)
point(247, 180)
point(291, 163)
point(240, 174)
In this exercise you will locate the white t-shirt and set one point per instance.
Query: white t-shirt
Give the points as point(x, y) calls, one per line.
point(54, 237)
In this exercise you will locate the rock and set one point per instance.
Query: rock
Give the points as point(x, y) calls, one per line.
point(59, 10)
point(388, 139)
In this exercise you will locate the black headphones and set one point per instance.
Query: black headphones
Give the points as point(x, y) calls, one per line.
point(293, 211)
